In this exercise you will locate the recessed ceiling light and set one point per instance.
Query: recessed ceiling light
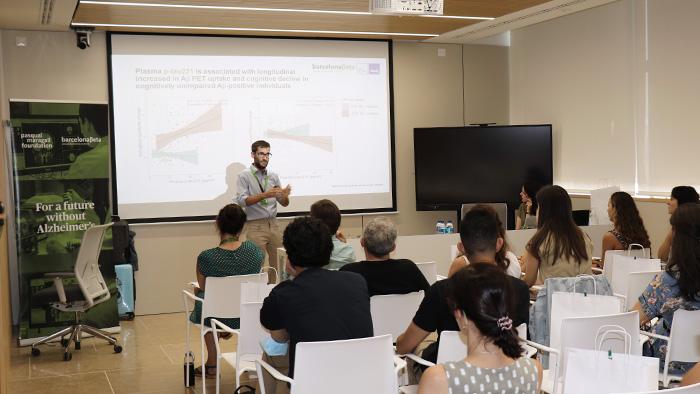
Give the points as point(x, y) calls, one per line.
point(364, 33)
point(236, 8)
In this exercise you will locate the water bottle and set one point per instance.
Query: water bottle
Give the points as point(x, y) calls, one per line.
point(440, 227)
point(449, 228)
point(189, 369)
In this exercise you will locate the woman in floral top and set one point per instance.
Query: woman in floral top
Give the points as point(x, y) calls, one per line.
point(676, 288)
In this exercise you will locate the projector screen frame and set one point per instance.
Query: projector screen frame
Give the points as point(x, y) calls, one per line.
point(201, 218)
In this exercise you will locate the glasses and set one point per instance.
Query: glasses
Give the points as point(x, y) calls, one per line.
point(260, 154)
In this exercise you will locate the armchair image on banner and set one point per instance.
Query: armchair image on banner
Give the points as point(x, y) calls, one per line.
point(61, 167)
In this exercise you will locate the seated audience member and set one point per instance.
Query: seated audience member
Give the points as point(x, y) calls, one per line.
point(679, 195)
point(504, 258)
point(383, 274)
point(480, 236)
point(559, 248)
point(678, 287)
point(231, 257)
point(628, 226)
point(482, 302)
point(328, 213)
point(525, 216)
point(692, 377)
point(319, 304)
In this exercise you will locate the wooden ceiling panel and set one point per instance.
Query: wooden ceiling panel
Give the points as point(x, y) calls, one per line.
point(99, 14)
point(488, 8)
point(114, 14)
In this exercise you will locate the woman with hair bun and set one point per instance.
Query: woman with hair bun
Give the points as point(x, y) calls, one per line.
point(482, 301)
point(231, 257)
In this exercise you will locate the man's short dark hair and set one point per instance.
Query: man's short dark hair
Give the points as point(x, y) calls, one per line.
point(259, 144)
point(479, 230)
point(97, 115)
point(328, 212)
point(307, 242)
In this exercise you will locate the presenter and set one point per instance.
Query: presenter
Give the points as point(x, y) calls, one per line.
point(258, 192)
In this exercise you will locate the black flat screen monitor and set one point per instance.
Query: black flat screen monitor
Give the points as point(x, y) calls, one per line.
point(456, 165)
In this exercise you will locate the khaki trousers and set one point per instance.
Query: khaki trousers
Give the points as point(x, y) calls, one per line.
point(265, 233)
point(272, 385)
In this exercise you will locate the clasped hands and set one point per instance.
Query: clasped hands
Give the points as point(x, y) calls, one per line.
point(278, 192)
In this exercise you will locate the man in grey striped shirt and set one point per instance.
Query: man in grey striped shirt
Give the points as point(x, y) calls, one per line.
point(258, 193)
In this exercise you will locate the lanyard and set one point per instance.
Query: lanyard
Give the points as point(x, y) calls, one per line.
point(262, 186)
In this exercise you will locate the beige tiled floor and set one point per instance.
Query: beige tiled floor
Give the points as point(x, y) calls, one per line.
point(151, 362)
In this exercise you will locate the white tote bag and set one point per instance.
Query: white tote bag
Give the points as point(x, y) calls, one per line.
point(602, 372)
point(571, 304)
point(624, 265)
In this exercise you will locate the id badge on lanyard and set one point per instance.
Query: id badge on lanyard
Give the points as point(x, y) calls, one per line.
point(263, 202)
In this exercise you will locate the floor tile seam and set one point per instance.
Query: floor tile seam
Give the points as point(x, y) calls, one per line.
point(108, 381)
point(162, 349)
point(60, 376)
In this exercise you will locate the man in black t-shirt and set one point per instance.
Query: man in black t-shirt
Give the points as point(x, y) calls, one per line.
point(318, 305)
point(383, 274)
point(480, 240)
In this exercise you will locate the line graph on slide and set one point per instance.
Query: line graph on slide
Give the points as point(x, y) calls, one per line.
point(301, 134)
point(210, 120)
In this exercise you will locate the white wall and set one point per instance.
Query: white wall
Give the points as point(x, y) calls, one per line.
point(428, 91)
point(620, 84)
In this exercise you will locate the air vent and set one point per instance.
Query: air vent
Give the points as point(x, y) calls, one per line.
point(46, 12)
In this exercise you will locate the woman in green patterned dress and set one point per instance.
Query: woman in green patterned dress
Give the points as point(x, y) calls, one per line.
point(231, 257)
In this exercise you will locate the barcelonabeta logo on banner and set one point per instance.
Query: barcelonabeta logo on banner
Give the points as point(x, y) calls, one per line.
point(61, 177)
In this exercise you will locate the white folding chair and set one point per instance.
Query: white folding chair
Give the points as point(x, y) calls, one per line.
point(683, 344)
point(248, 349)
point(221, 300)
point(392, 313)
point(255, 291)
point(637, 282)
point(692, 389)
point(429, 270)
point(365, 365)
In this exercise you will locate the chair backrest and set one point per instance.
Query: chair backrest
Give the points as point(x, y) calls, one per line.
point(251, 332)
point(636, 283)
point(352, 366)
point(501, 209)
point(392, 313)
point(611, 256)
point(87, 268)
point(222, 295)
point(429, 270)
point(685, 337)
point(622, 267)
point(451, 347)
point(581, 332)
point(255, 291)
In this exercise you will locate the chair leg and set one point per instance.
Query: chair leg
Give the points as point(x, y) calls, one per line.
point(56, 335)
point(99, 333)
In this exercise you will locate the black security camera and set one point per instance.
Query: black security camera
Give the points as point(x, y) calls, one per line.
point(82, 36)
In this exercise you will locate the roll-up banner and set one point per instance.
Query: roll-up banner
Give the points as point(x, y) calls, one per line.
point(61, 166)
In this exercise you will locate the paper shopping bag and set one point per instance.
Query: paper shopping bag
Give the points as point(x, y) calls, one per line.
point(597, 371)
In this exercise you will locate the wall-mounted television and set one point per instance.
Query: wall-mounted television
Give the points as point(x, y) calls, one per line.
point(457, 165)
